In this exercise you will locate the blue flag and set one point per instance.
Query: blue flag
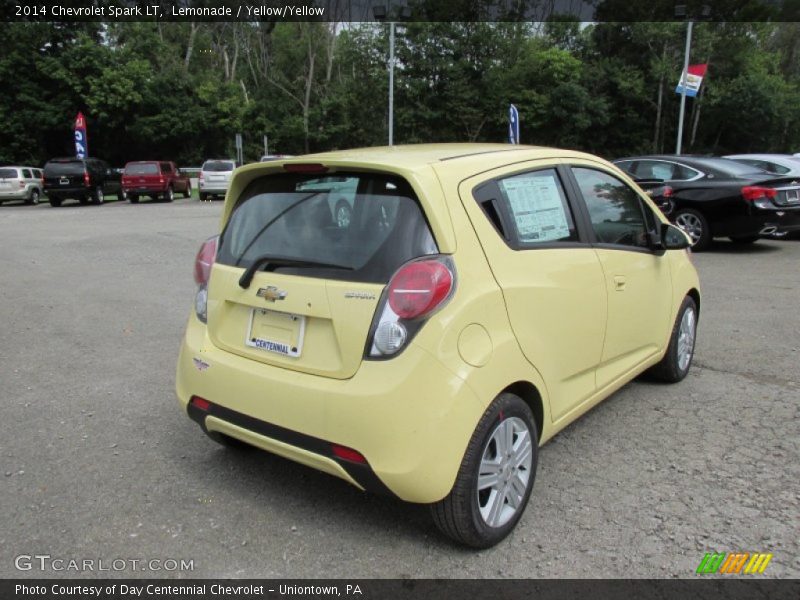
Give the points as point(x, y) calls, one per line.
point(513, 124)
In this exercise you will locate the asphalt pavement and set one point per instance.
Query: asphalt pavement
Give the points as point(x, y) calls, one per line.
point(97, 461)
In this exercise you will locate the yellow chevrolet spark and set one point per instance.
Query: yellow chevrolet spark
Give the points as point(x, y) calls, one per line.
point(419, 320)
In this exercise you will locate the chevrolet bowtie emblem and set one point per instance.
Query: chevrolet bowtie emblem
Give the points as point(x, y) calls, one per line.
point(271, 293)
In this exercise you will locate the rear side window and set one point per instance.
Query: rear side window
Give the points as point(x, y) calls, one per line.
point(8, 173)
point(74, 167)
point(166, 167)
point(295, 218)
point(529, 209)
point(218, 165)
point(26, 174)
point(141, 169)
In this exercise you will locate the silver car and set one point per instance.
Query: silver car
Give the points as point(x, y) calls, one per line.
point(780, 164)
point(215, 178)
point(20, 183)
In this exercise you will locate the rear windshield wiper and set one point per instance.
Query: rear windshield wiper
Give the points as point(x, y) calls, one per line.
point(281, 261)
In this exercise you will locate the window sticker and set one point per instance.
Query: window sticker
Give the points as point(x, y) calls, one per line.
point(537, 207)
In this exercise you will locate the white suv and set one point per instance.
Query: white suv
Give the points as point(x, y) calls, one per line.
point(20, 183)
point(215, 177)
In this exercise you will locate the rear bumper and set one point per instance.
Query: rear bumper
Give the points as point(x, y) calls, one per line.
point(15, 195)
point(761, 221)
point(409, 417)
point(145, 189)
point(67, 192)
point(213, 188)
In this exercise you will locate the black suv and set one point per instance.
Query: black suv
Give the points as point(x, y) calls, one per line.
point(83, 179)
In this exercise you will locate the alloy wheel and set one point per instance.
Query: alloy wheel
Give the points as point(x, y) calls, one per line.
point(686, 335)
point(505, 472)
point(691, 225)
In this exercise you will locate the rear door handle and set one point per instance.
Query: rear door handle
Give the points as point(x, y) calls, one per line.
point(619, 283)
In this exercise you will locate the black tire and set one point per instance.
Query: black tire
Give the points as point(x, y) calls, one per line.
point(744, 239)
point(34, 199)
point(133, 198)
point(122, 195)
point(203, 196)
point(169, 195)
point(83, 200)
point(701, 236)
point(98, 197)
point(458, 515)
point(188, 192)
point(55, 201)
point(669, 370)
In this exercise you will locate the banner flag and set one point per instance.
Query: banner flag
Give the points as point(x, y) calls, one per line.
point(693, 80)
point(513, 124)
point(81, 140)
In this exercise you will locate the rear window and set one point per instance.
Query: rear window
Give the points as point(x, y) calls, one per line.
point(142, 169)
point(64, 168)
point(294, 217)
point(728, 167)
point(218, 165)
point(8, 173)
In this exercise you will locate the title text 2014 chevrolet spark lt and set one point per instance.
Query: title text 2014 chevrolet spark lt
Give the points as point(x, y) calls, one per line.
point(479, 299)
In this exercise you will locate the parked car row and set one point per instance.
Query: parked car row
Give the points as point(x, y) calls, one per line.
point(741, 197)
point(90, 180)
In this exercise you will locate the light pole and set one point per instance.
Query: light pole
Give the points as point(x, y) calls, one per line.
point(680, 13)
point(381, 12)
point(684, 81)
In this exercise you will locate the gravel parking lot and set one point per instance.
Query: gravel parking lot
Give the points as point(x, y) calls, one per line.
point(98, 462)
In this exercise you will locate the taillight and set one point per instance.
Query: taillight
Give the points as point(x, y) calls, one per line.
point(666, 192)
point(418, 288)
point(416, 291)
point(204, 260)
point(202, 271)
point(200, 177)
point(755, 192)
point(86, 181)
point(161, 180)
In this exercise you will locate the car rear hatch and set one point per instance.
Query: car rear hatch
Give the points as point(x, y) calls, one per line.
point(217, 173)
point(142, 176)
point(316, 283)
point(67, 174)
point(9, 180)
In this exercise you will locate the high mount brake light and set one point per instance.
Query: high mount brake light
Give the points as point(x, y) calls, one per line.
point(305, 168)
point(755, 192)
point(204, 260)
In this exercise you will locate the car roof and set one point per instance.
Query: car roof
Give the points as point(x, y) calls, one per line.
point(414, 156)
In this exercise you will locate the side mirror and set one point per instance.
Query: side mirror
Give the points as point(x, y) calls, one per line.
point(674, 238)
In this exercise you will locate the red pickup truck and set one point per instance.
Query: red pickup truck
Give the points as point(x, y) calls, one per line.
point(156, 179)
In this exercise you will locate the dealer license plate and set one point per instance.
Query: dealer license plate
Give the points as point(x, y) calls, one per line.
point(277, 332)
